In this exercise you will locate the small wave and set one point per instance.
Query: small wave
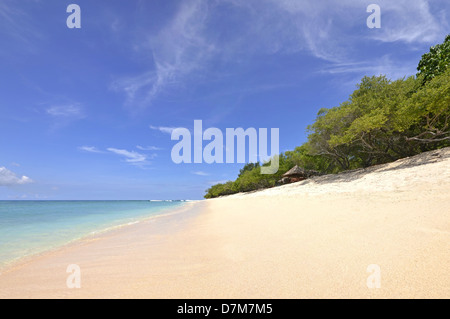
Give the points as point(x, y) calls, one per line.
point(104, 230)
point(134, 223)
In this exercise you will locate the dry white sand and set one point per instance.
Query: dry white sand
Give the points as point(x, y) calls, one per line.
point(312, 239)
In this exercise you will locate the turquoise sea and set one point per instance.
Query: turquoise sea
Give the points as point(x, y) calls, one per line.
point(32, 227)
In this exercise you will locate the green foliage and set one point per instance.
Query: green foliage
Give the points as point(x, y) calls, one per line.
point(220, 190)
point(436, 61)
point(382, 121)
point(248, 167)
point(426, 115)
point(302, 157)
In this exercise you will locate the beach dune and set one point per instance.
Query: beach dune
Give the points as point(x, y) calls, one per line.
point(382, 232)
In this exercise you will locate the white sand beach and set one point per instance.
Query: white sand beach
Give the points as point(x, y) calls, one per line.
point(311, 239)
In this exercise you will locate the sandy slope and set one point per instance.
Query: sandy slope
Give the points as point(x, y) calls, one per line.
point(306, 240)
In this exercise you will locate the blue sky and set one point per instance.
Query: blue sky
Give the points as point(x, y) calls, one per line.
point(86, 113)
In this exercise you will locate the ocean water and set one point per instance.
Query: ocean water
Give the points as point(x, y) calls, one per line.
point(32, 227)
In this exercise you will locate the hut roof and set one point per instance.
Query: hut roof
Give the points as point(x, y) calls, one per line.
point(296, 170)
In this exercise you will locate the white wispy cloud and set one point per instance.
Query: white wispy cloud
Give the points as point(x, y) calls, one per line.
point(73, 111)
point(328, 30)
point(384, 65)
point(131, 157)
point(16, 23)
point(63, 115)
point(9, 178)
point(402, 20)
point(289, 27)
point(200, 173)
point(178, 49)
point(90, 149)
point(135, 87)
point(148, 148)
point(163, 129)
point(412, 21)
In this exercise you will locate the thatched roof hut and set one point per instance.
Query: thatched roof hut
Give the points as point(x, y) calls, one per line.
point(296, 172)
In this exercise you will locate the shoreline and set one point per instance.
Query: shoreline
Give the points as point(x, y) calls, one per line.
point(95, 235)
point(312, 239)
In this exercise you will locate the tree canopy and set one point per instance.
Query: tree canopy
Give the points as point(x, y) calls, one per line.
point(436, 61)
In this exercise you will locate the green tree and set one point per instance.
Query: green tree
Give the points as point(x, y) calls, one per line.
point(330, 123)
point(248, 167)
point(363, 131)
point(425, 117)
point(220, 190)
point(436, 61)
point(302, 156)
